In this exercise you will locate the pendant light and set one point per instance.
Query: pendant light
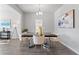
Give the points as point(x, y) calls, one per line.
point(39, 12)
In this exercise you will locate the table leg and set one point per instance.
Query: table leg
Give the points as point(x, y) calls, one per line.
point(50, 42)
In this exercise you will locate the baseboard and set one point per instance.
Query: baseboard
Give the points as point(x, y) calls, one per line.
point(69, 47)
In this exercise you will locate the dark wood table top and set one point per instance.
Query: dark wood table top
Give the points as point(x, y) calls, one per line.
point(50, 35)
point(46, 35)
point(26, 35)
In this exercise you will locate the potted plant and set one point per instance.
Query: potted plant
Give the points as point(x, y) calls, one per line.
point(24, 30)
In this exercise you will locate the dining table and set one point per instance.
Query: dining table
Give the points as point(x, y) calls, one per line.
point(48, 35)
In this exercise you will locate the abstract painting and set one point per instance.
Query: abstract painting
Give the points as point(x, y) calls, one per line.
point(67, 20)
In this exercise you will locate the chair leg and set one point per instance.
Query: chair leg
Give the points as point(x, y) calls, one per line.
point(50, 42)
point(41, 46)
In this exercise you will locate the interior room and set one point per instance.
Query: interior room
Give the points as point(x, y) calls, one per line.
point(39, 29)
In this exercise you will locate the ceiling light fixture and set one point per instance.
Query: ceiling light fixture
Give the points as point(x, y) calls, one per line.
point(39, 11)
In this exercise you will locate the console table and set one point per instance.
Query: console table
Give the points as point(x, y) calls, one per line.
point(4, 34)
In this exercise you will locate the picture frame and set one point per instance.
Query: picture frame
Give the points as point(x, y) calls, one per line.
point(67, 20)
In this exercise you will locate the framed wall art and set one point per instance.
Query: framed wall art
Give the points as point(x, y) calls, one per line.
point(67, 20)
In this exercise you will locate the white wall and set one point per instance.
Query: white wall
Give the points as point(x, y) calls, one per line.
point(7, 12)
point(14, 6)
point(29, 21)
point(70, 37)
point(48, 21)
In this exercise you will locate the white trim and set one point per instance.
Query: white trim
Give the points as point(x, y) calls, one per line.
point(69, 47)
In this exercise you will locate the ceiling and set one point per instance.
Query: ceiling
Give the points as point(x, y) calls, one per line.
point(36, 7)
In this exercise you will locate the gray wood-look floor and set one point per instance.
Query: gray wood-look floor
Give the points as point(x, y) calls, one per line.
point(16, 47)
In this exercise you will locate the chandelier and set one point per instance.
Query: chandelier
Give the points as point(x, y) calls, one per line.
point(39, 12)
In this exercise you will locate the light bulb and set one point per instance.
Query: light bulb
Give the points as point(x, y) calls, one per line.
point(39, 13)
